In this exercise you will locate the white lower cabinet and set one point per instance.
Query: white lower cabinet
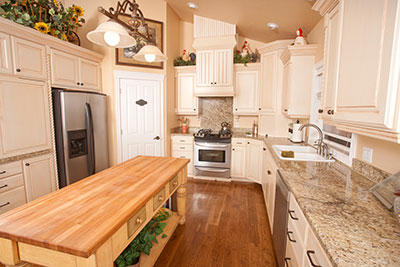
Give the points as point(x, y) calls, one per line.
point(182, 147)
point(269, 180)
point(12, 189)
point(238, 158)
point(303, 248)
point(254, 160)
point(39, 176)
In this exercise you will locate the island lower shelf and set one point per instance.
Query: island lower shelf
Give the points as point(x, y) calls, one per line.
point(150, 260)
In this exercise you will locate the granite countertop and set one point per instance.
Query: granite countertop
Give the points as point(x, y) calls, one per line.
point(354, 228)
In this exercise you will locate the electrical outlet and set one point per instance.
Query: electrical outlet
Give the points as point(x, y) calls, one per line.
point(367, 154)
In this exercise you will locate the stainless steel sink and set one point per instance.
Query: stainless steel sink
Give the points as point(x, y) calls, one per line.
point(301, 153)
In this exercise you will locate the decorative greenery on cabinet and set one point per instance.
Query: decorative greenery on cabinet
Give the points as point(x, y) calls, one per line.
point(46, 16)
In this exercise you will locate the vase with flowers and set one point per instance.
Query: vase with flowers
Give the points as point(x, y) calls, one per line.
point(184, 124)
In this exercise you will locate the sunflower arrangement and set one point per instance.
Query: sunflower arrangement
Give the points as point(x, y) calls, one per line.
point(46, 16)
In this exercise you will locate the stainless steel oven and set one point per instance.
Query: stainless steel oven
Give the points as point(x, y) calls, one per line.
point(212, 159)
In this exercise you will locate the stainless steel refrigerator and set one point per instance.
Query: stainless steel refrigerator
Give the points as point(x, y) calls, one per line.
point(80, 122)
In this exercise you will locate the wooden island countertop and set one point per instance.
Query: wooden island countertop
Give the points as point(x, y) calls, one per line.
point(79, 219)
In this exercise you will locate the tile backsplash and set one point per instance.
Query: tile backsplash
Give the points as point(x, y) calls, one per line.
point(214, 111)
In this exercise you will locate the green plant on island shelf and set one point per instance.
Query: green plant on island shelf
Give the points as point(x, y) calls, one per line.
point(46, 16)
point(143, 242)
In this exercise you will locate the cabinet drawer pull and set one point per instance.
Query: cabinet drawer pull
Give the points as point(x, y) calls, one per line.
point(310, 259)
point(3, 186)
point(287, 262)
point(3, 172)
point(182, 147)
point(239, 143)
point(160, 198)
point(5, 204)
point(182, 157)
point(290, 239)
point(139, 220)
point(291, 215)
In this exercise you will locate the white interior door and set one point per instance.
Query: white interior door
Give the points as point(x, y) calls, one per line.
point(140, 117)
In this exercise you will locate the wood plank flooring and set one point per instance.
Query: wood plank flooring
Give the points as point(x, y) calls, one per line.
point(226, 225)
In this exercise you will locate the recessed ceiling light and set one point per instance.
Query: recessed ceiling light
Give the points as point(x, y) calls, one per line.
point(272, 25)
point(192, 5)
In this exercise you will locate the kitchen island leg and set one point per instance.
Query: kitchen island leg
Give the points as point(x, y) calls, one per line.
point(181, 197)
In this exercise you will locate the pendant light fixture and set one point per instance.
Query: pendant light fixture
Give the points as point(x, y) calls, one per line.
point(116, 33)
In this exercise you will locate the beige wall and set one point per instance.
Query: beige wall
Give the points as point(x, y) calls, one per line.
point(155, 9)
point(386, 155)
point(317, 36)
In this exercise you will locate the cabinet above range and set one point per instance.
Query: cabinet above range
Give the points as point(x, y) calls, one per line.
point(214, 66)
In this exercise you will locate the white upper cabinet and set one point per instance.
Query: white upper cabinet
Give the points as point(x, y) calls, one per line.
point(74, 72)
point(247, 83)
point(29, 59)
point(5, 54)
point(297, 80)
point(24, 113)
point(185, 78)
point(362, 67)
point(332, 36)
point(269, 82)
point(64, 69)
point(214, 72)
point(89, 74)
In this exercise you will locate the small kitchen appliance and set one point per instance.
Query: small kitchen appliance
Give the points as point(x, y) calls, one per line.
point(295, 135)
point(225, 131)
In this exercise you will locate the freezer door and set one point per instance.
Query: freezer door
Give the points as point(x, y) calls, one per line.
point(98, 105)
point(75, 136)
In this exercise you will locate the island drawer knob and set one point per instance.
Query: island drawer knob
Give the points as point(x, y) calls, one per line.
point(175, 183)
point(160, 198)
point(139, 220)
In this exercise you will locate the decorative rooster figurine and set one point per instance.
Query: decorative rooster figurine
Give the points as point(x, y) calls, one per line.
point(185, 55)
point(245, 49)
point(300, 38)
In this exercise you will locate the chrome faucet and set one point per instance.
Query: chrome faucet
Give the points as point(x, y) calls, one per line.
point(322, 148)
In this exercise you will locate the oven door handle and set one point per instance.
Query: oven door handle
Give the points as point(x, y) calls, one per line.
point(212, 145)
point(212, 169)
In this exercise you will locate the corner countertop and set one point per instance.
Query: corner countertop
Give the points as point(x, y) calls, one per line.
point(353, 227)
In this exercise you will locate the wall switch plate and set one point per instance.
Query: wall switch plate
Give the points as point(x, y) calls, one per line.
point(367, 154)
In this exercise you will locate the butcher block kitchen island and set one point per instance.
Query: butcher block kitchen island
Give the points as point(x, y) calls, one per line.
point(90, 223)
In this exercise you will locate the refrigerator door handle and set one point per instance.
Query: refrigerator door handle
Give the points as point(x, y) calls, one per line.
point(90, 138)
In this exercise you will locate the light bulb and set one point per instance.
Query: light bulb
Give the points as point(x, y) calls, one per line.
point(111, 38)
point(150, 57)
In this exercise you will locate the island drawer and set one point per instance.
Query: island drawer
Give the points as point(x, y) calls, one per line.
point(11, 182)
point(180, 139)
point(136, 221)
point(12, 199)
point(158, 199)
point(173, 183)
point(9, 169)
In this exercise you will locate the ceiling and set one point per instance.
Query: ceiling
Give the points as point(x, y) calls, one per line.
point(252, 16)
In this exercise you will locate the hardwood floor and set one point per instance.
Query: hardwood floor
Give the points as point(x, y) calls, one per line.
point(226, 225)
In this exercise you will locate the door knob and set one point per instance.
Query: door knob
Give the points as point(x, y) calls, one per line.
point(156, 138)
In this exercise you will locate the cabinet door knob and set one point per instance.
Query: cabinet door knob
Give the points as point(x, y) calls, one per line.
point(82, 84)
point(259, 108)
point(77, 83)
point(320, 110)
point(235, 109)
point(194, 109)
point(27, 164)
point(332, 111)
point(248, 143)
point(285, 110)
point(18, 70)
point(269, 172)
point(233, 149)
point(264, 149)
